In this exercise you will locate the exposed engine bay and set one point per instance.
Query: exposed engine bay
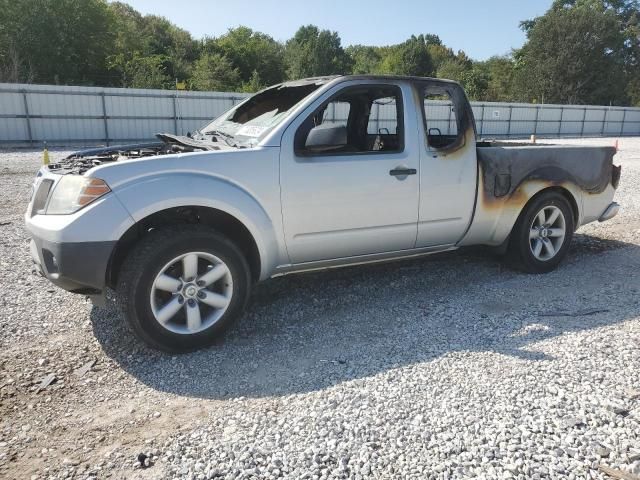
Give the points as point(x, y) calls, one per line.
point(83, 160)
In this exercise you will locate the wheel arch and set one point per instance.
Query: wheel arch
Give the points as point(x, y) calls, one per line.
point(566, 193)
point(494, 221)
point(222, 221)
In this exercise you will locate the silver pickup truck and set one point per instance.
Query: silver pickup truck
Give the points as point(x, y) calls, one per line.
point(308, 174)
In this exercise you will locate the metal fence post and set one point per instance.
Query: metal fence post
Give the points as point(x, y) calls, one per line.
point(604, 122)
point(377, 118)
point(509, 124)
point(535, 122)
point(584, 117)
point(175, 114)
point(560, 122)
point(482, 120)
point(624, 118)
point(27, 116)
point(104, 117)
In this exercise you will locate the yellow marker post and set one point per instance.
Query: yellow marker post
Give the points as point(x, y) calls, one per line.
point(45, 156)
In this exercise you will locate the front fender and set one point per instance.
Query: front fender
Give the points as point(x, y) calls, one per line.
point(146, 196)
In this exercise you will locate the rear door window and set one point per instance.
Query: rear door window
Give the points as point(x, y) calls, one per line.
point(441, 118)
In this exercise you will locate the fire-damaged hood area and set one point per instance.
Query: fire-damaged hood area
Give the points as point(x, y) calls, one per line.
point(81, 161)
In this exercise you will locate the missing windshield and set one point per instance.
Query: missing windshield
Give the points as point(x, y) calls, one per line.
point(252, 119)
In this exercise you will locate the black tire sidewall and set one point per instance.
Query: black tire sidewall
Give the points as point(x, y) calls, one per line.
point(521, 242)
point(161, 249)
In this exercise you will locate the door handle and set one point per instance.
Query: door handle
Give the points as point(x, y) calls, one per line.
point(401, 172)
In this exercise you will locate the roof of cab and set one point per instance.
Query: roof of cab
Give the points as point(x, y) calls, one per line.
point(330, 78)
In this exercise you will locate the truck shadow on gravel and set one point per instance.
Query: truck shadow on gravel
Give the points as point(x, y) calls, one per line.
point(311, 331)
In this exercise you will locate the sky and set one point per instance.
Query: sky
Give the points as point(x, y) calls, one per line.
point(482, 28)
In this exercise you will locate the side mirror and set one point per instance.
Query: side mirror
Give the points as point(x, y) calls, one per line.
point(326, 138)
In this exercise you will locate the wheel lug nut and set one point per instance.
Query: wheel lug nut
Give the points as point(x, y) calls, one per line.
point(200, 283)
point(201, 295)
point(180, 299)
point(192, 302)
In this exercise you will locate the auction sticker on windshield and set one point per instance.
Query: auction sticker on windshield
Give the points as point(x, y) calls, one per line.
point(251, 131)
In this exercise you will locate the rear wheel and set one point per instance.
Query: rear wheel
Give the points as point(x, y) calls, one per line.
point(542, 234)
point(180, 289)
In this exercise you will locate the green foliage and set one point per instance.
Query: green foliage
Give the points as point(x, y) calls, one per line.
point(573, 55)
point(439, 55)
point(254, 84)
point(313, 52)
point(214, 72)
point(473, 77)
point(500, 74)
point(366, 59)
point(579, 51)
point(633, 91)
point(147, 72)
point(153, 37)
point(251, 53)
point(62, 41)
point(408, 58)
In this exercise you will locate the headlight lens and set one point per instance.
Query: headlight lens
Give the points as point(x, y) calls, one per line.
point(74, 192)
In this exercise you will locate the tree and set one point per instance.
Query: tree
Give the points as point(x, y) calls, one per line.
point(476, 82)
point(254, 84)
point(313, 52)
point(66, 41)
point(500, 75)
point(415, 57)
point(579, 51)
point(147, 72)
point(573, 55)
point(214, 72)
point(633, 91)
point(439, 55)
point(473, 78)
point(453, 69)
point(161, 37)
point(364, 59)
point(408, 58)
point(251, 52)
point(149, 39)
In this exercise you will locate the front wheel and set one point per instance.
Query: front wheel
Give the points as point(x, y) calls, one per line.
point(180, 289)
point(542, 234)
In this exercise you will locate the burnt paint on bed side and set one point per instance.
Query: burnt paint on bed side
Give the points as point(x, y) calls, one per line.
point(505, 169)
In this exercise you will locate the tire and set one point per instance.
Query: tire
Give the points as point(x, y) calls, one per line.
point(152, 279)
point(531, 253)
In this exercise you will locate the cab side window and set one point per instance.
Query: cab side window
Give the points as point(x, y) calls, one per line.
point(361, 119)
point(441, 118)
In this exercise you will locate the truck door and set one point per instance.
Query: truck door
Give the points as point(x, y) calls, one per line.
point(448, 165)
point(349, 183)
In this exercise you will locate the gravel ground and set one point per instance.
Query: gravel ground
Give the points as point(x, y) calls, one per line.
point(445, 367)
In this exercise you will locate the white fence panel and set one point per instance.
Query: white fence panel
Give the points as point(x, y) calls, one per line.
point(63, 115)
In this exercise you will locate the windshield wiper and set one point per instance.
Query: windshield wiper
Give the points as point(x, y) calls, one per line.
point(225, 136)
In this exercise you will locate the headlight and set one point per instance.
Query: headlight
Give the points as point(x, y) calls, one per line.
point(74, 192)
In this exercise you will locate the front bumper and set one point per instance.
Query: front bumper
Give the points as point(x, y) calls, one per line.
point(77, 267)
point(611, 211)
point(73, 251)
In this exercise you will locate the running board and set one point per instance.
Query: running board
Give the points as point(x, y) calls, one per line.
point(360, 260)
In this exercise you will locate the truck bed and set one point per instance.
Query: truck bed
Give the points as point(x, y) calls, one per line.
point(505, 166)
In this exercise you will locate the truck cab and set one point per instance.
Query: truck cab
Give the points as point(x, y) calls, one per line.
point(355, 185)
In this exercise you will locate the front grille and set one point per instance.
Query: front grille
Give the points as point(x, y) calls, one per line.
point(40, 198)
